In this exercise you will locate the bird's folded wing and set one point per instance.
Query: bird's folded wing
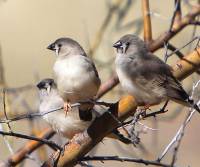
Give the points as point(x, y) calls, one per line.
point(161, 80)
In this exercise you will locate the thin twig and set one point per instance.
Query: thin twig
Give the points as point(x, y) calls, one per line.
point(40, 114)
point(195, 38)
point(51, 144)
point(123, 159)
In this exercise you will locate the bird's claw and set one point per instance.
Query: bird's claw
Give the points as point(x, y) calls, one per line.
point(67, 108)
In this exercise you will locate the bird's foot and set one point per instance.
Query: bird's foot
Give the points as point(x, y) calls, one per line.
point(144, 109)
point(67, 107)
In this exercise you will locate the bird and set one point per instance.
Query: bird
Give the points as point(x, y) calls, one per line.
point(75, 73)
point(145, 76)
point(74, 123)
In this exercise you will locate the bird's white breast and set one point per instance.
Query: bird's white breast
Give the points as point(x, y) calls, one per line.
point(68, 125)
point(73, 77)
point(68, 70)
point(127, 83)
point(141, 94)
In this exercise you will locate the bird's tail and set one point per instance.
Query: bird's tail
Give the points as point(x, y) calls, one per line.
point(117, 135)
point(187, 102)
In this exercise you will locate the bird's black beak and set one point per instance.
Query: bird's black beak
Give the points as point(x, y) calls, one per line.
point(51, 47)
point(118, 44)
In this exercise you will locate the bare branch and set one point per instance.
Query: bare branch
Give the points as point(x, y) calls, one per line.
point(44, 141)
point(166, 36)
point(146, 21)
point(123, 159)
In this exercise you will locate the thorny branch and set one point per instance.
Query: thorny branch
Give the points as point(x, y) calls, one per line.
point(51, 144)
point(123, 159)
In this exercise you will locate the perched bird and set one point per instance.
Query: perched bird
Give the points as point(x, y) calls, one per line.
point(75, 122)
point(75, 74)
point(145, 76)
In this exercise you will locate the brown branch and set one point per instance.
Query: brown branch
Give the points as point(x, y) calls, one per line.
point(166, 36)
point(187, 65)
point(174, 49)
point(178, 14)
point(195, 22)
point(176, 18)
point(146, 21)
point(42, 151)
point(108, 85)
point(74, 150)
point(105, 124)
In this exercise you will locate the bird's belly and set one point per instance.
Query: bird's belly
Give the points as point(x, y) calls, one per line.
point(74, 82)
point(68, 125)
point(76, 89)
point(142, 97)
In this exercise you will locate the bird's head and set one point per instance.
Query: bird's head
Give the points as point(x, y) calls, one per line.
point(129, 45)
point(46, 86)
point(66, 46)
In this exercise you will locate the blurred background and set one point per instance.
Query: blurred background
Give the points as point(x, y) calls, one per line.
point(28, 27)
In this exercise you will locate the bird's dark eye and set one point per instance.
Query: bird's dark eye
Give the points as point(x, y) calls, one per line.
point(127, 44)
point(59, 45)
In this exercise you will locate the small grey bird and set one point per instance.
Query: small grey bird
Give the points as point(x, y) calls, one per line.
point(145, 76)
point(75, 122)
point(75, 74)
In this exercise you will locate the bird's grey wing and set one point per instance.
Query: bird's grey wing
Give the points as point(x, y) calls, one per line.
point(93, 70)
point(160, 79)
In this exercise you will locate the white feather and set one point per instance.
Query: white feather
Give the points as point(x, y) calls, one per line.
point(68, 125)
